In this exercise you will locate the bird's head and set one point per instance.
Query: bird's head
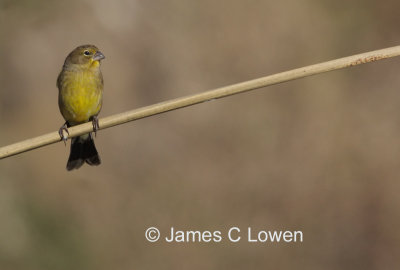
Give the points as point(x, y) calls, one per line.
point(85, 56)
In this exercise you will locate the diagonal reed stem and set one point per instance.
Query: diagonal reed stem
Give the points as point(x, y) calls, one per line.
point(174, 104)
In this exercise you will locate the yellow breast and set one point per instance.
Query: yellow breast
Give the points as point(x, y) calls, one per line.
point(80, 95)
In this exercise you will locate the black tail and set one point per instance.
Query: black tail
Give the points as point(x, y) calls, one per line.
point(82, 150)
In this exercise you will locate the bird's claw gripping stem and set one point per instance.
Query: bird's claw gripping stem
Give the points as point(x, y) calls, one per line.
point(64, 136)
point(95, 123)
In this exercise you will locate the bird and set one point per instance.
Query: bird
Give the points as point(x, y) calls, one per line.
point(80, 97)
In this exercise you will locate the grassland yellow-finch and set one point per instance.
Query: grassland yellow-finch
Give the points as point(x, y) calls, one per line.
point(80, 95)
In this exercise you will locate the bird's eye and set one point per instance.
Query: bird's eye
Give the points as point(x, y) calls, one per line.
point(86, 52)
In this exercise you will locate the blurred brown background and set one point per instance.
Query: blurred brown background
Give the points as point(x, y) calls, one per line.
point(320, 154)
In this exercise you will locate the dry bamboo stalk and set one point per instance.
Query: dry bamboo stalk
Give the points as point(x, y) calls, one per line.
point(178, 103)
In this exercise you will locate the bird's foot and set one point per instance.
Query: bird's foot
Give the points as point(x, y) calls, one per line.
point(64, 136)
point(95, 123)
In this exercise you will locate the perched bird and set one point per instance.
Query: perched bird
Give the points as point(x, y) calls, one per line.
point(80, 95)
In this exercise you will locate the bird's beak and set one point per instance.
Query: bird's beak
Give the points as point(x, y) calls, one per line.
point(98, 56)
